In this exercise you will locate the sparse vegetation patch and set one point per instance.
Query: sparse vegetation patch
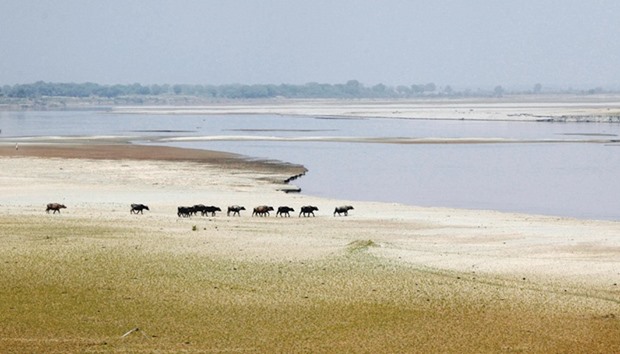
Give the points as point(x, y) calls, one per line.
point(95, 286)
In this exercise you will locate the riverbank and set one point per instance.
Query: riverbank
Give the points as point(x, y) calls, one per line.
point(436, 279)
point(546, 108)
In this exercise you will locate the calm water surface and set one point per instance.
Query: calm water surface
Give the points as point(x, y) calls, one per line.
point(564, 179)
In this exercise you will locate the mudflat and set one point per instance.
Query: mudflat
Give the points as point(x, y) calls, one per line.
point(385, 278)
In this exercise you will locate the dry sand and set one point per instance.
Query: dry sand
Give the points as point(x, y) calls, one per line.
point(99, 182)
point(561, 108)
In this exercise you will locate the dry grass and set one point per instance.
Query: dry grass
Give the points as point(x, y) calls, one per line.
point(76, 285)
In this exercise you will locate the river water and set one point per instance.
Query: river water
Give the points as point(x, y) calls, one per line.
point(548, 168)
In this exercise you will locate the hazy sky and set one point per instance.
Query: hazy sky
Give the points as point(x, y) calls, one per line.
point(463, 43)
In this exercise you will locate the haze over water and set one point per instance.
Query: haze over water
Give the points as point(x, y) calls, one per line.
point(570, 178)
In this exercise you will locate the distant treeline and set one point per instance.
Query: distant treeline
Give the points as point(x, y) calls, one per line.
point(350, 89)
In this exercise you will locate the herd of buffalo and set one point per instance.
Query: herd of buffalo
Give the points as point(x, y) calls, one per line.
point(261, 210)
point(206, 210)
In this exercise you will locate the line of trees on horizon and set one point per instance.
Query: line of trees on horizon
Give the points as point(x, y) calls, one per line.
point(350, 89)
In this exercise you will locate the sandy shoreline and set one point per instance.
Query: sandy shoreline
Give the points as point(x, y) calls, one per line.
point(125, 151)
point(100, 181)
point(569, 108)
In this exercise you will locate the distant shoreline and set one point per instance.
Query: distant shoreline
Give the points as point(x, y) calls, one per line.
point(543, 108)
point(555, 109)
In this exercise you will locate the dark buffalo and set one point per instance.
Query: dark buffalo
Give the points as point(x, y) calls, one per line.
point(343, 210)
point(55, 207)
point(284, 210)
point(234, 209)
point(308, 210)
point(205, 209)
point(138, 208)
point(210, 209)
point(262, 210)
point(199, 208)
point(185, 212)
